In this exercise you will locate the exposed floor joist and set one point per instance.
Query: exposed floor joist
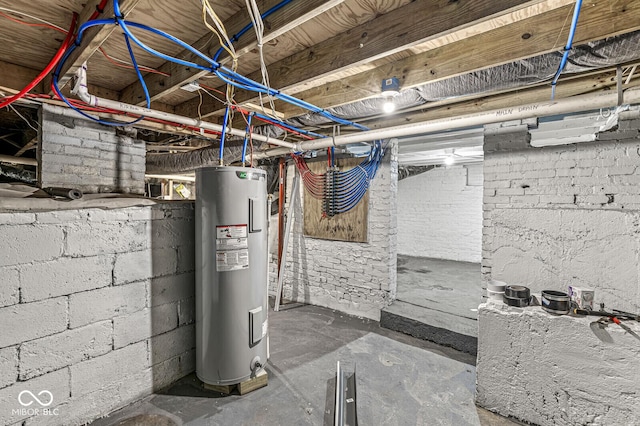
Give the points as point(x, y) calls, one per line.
point(279, 23)
point(16, 77)
point(385, 35)
point(527, 38)
point(93, 38)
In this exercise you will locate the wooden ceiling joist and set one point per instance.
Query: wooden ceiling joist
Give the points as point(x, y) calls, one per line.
point(16, 77)
point(524, 39)
point(393, 32)
point(280, 22)
point(92, 39)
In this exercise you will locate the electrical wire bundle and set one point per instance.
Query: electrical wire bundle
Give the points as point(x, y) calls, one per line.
point(344, 189)
point(341, 191)
point(228, 76)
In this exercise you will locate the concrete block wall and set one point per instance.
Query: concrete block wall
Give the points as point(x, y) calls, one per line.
point(355, 278)
point(563, 215)
point(96, 307)
point(78, 153)
point(440, 214)
point(552, 370)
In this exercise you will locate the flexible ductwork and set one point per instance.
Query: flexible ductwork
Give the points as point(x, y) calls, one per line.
point(587, 57)
point(542, 109)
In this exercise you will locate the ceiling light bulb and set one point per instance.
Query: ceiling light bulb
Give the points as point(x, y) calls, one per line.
point(449, 160)
point(388, 106)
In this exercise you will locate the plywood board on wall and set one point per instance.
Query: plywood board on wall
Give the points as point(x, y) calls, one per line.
point(350, 226)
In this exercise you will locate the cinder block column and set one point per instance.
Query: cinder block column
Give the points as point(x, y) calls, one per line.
point(78, 153)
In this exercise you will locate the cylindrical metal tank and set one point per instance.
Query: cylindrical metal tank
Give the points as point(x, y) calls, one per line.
point(231, 281)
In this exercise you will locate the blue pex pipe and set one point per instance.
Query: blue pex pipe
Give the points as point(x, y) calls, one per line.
point(567, 48)
point(56, 74)
point(246, 139)
point(227, 75)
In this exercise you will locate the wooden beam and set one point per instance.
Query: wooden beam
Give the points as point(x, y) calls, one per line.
point(93, 38)
point(398, 30)
point(29, 145)
point(16, 77)
point(278, 23)
point(530, 37)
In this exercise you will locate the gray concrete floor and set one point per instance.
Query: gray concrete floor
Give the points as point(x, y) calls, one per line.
point(401, 380)
point(442, 285)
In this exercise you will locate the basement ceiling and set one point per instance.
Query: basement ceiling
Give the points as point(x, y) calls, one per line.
point(328, 53)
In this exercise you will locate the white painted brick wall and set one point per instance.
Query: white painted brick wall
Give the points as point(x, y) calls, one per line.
point(356, 278)
point(8, 366)
point(106, 303)
point(116, 366)
point(53, 352)
point(440, 214)
point(552, 370)
point(10, 288)
point(62, 276)
point(28, 321)
point(553, 217)
point(75, 152)
point(57, 382)
point(96, 306)
point(138, 326)
point(19, 242)
point(564, 215)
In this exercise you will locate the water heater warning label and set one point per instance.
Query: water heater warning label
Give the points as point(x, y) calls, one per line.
point(232, 260)
point(232, 248)
point(231, 231)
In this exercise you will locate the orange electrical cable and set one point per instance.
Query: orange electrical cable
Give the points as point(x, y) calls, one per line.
point(54, 61)
point(130, 67)
point(30, 24)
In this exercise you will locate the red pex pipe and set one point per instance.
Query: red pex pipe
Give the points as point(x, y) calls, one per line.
point(47, 70)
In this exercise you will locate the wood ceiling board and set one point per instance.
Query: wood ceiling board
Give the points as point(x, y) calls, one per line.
point(506, 44)
point(494, 23)
point(329, 24)
point(16, 77)
point(278, 23)
point(35, 46)
point(389, 33)
point(57, 12)
point(179, 96)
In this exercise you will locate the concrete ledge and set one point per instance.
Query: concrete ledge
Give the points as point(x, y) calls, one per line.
point(404, 323)
point(547, 369)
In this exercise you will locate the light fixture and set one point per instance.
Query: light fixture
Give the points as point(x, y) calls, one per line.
point(388, 106)
point(450, 158)
point(390, 89)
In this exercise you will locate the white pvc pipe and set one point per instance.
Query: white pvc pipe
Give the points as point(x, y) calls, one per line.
point(82, 92)
point(541, 109)
point(179, 178)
